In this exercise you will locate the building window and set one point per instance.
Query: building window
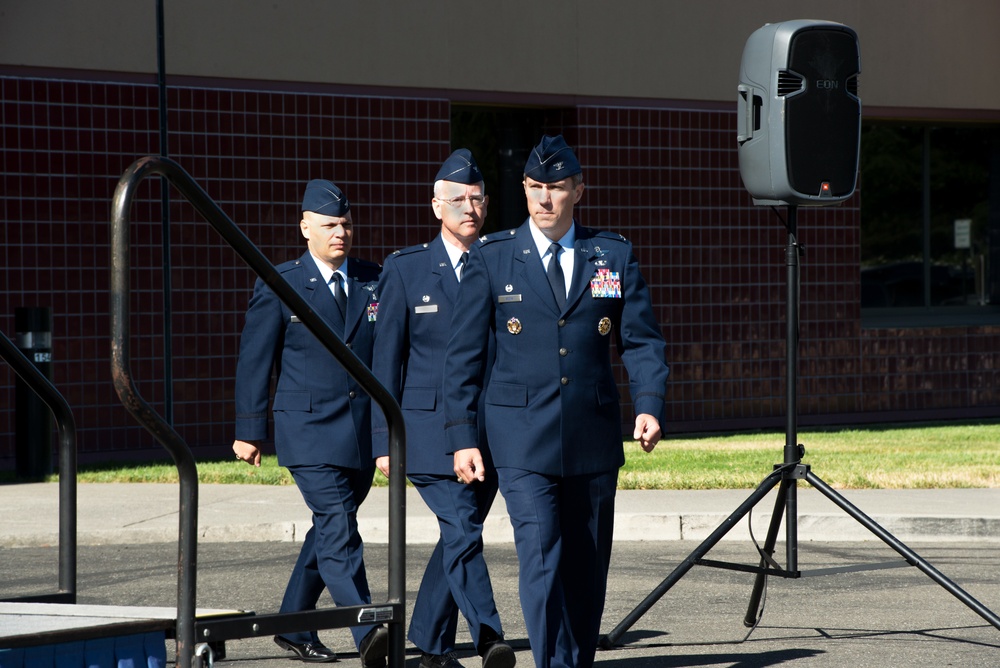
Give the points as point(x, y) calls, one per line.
point(930, 224)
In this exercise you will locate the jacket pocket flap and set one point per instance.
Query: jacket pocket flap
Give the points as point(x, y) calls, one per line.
point(419, 398)
point(292, 401)
point(507, 394)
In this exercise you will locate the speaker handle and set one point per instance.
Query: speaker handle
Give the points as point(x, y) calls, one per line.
point(744, 114)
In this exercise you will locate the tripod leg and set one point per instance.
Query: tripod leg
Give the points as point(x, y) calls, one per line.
point(769, 543)
point(768, 483)
point(911, 557)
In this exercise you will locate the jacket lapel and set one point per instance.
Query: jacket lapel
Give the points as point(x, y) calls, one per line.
point(319, 296)
point(583, 267)
point(442, 270)
point(531, 270)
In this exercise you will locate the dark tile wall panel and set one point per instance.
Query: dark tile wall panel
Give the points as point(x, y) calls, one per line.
point(66, 144)
point(667, 179)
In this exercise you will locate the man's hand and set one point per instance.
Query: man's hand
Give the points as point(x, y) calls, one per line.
point(469, 465)
point(647, 431)
point(247, 451)
point(382, 464)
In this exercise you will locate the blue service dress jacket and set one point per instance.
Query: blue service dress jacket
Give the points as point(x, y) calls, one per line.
point(551, 403)
point(419, 289)
point(321, 414)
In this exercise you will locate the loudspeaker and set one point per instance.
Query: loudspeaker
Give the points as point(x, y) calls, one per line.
point(799, 115)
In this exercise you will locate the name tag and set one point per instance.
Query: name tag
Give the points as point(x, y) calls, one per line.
point(295, 318)
point(427, 308)
point(506, 299)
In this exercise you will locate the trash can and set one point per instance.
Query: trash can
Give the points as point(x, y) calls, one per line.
point(33, 419)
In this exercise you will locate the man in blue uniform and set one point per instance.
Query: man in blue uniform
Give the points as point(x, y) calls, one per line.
point(321, 415)
point(418, 289)
point(551, 295)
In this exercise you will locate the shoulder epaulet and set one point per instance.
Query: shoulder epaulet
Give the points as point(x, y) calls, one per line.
point(503, 235)
point(614, 236)
point(365, 270)
point(412, 249)
point(285, 267)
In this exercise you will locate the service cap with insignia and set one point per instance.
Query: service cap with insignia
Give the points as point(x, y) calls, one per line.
point(325, 198)
point(460, 167)
point(552, 160)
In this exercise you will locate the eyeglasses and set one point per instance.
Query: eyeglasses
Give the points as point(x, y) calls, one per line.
point(477, 201)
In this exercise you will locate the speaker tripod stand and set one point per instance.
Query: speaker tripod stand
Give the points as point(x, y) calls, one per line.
point(786, 477)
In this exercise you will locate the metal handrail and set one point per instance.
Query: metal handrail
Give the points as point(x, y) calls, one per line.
point(179, 450)
point(66, 425)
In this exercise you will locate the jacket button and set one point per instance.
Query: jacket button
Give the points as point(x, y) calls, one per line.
point(352, 394)
point(564, 380)
point(562, 322)
point(563, 352)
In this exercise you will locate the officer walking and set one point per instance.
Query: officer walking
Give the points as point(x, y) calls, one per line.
point(322, 417)
point(418, 290)
point(550, 296)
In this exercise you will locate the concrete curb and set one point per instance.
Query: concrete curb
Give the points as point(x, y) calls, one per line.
point(124, 513)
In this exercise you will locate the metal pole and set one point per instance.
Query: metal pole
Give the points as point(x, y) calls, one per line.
point(926, 215)
point(168, 334)
point(792, 450)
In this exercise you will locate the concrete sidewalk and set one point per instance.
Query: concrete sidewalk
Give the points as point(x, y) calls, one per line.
point(133, 513)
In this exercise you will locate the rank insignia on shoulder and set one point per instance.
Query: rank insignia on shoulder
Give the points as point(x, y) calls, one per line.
point(514, 326)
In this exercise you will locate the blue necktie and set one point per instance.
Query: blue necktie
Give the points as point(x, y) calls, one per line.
point(555, 274)
point(338, 292)
point(462, 261)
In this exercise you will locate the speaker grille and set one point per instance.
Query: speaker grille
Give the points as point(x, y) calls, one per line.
point(789, 83)
point(823, 125)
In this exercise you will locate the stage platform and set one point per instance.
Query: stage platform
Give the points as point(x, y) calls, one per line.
point(63, 635)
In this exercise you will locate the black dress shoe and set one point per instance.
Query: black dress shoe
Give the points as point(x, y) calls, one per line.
point(312, 652)
point(448, 660)
point(499, 654)
point(374, 647)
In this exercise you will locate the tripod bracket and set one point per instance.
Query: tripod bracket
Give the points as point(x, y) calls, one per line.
point(797, 472)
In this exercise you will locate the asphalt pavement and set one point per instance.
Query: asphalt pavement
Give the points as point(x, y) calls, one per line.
point(851, 617)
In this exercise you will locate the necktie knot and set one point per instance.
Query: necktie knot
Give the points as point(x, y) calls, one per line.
point(462, 262)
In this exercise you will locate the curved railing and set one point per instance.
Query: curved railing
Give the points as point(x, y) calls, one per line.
point(66, 426)
point(393, 612)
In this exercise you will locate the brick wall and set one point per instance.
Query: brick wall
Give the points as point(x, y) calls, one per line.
point(666, 178)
